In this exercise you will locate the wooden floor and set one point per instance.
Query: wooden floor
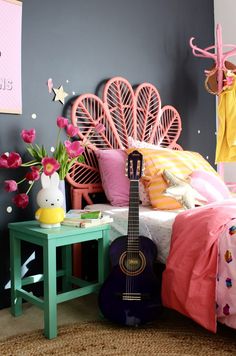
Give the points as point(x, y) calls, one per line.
point(80, 309)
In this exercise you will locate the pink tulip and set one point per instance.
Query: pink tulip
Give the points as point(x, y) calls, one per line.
point(99, 128)
point(10, 185)
point(33, 175)
point(50, 165)
point(72, 130)
point(4, 161)
point(10, 160)
point(74, 149)
point(28, 136)
point(14, 160)
point(62, 122)
point(21, 200)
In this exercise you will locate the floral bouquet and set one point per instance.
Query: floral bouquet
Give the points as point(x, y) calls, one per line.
point(64, 155)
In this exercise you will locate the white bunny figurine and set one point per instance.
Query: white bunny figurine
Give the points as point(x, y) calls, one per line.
point(50, 200)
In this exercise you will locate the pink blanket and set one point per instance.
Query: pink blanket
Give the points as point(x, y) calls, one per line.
point(189, 280)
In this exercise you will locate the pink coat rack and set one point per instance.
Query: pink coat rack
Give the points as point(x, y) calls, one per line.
point(220, 67)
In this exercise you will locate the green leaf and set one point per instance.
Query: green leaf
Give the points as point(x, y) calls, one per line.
point(31, 151)
point(44, 152)
point(81, 159)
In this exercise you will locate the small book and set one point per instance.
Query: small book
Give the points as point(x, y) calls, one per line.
point(83, 218)
point(96, 222)
point(83, 214)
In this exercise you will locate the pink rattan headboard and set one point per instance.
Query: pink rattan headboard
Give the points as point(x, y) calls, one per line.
point(124, 112)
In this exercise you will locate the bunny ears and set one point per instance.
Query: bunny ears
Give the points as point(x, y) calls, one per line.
point(52, 181)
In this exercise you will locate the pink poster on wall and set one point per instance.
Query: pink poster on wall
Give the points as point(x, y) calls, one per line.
point(10, 56)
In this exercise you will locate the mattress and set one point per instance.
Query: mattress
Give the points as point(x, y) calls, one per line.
point(155, 224)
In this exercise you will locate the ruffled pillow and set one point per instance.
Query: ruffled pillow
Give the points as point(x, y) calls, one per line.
point(132, 143)
point(143, 194)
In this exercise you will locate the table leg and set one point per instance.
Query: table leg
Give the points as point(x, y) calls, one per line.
point(67, 267)
point(103, 257)
point(15, 269)
point(50, 292)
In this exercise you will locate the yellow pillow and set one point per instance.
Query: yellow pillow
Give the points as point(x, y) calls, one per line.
point(180, 163)
point(156, 186)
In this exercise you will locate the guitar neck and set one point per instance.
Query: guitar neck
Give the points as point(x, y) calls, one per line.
point(133, 219)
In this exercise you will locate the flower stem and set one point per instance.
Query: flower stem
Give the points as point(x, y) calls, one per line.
point(70, 164)
point(31, 185)
point(58, 135)
point(21, 181)
point(30, 163)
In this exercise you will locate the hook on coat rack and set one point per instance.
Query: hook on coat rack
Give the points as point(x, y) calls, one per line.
point(215, 76)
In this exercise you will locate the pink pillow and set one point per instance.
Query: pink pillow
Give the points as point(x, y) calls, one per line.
point(209, 185)
point(114, 181)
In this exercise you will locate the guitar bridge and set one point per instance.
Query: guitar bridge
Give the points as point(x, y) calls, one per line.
point(131, 296)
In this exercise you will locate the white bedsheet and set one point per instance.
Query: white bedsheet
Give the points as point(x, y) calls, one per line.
point(155, 224)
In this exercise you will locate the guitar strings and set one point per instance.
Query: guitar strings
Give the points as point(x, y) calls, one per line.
point(132, 241)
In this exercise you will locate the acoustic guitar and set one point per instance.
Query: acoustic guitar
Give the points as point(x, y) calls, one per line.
point(131, 293)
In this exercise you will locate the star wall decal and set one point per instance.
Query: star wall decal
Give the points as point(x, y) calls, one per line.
point(182, 191)
point(60, 94)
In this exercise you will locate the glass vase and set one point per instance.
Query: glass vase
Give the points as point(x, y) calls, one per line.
point(62, 187)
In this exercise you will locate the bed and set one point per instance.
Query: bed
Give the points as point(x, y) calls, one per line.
point(126, 119)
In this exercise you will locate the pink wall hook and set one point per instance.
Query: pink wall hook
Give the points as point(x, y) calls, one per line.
point(219, 57)
point(215, 76)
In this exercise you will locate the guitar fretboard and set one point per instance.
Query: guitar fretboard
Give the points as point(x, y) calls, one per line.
point(133, 222)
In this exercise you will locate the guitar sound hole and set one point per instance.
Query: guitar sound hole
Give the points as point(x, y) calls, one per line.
point(132, 265)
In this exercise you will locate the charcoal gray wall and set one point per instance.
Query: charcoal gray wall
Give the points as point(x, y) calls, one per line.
point(79, 43)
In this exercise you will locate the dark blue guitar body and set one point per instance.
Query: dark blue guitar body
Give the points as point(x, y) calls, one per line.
point(131, 293)
point(131, 300)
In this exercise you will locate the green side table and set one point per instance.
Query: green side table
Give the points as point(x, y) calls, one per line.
point(50, 239)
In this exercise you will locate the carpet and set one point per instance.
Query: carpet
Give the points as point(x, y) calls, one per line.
point(172, 335)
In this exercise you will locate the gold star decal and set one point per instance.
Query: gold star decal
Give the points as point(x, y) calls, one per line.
point(60, 94)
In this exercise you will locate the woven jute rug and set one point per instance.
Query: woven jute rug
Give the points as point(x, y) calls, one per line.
point(173, 334)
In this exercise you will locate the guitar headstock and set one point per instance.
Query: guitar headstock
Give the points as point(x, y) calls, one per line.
point(134, 165)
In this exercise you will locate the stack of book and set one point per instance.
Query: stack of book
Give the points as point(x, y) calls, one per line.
point(85, 218)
